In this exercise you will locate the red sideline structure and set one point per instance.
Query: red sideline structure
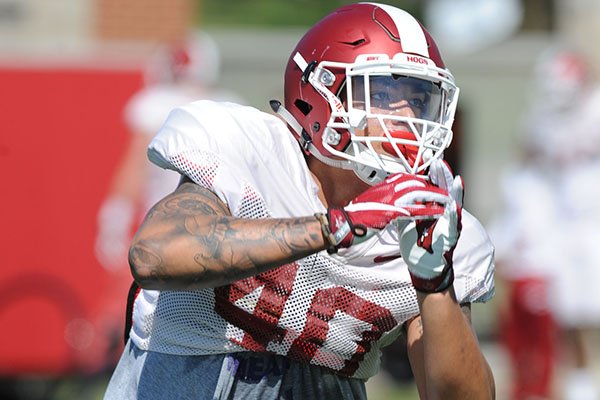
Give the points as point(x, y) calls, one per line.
point(61, 136)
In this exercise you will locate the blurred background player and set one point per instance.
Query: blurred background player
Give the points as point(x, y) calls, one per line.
point(525, 265)
point(576, 132)
point(545, 234)
point(176, 74)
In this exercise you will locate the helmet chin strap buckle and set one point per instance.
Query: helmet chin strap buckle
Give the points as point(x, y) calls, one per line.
point(306, 67)
point(369, 175)
point(305, 141)
point(306, 73)
point(303, 136)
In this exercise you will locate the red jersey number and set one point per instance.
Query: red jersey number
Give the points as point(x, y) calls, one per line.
point(261, 326)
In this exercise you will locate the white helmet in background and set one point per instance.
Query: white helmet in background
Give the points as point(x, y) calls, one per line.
point(561, 88)
point(561, 77)
point(196, 59)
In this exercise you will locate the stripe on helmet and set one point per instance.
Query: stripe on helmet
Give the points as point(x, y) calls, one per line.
point(409, 30)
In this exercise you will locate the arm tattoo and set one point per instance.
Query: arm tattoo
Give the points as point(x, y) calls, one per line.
point(224, 248)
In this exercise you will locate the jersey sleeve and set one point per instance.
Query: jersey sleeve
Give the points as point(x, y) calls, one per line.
point(474, 265)
point(245, 156)
point(197, 141)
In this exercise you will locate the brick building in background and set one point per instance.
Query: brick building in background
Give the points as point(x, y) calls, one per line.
point(70, 24)
point(145, 20)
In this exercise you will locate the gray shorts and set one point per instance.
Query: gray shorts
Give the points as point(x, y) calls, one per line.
point(149, 375)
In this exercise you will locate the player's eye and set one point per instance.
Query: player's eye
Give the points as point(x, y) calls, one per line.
point(418, 103)
point(380, 99)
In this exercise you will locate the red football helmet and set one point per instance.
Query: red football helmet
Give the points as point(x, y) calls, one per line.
point(366, 89)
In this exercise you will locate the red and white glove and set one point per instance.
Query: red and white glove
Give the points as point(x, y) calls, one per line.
point(400, 196)
point(427, 246)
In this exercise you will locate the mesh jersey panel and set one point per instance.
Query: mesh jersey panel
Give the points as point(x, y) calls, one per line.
point(201, 173)
point(328, 311)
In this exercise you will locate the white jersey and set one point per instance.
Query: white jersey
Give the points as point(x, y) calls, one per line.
point(331, 311)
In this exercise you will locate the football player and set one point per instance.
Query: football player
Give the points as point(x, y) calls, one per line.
point(297, 245)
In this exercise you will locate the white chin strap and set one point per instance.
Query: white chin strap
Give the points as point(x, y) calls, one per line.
point(368, 174)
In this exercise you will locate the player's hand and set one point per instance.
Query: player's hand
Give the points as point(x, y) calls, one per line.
point(400, 196)
point(427, 246)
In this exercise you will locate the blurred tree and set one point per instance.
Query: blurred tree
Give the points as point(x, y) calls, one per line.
point(539, 14)
point(277, 13)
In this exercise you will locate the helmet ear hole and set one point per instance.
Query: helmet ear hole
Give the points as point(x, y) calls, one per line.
point(303, 107)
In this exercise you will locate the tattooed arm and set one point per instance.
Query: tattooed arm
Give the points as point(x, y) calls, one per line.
point(189, 240)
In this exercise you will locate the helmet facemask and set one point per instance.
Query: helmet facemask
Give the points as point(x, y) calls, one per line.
point(390, 115)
